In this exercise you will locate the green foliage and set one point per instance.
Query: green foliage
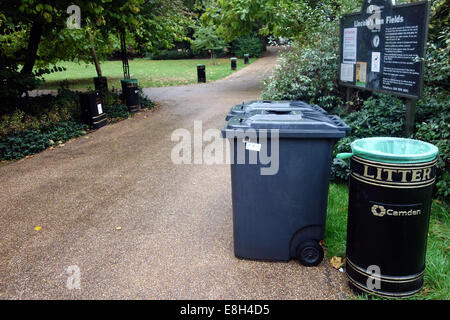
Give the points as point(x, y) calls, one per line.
point(47, 120)
point(437, 61)
point(248, 45)
point(116, 111)
point(27, 142)
point(207, 39)
point(380, 115)
point(172, 55)
point(281, 18)
point(436, 130)
point(308, 72)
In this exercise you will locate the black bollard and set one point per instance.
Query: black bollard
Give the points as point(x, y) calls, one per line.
point(246, 56)
point(233, 63)
point(201, 73)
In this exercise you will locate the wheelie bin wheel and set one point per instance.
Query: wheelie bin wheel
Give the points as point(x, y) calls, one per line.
point(309, 253)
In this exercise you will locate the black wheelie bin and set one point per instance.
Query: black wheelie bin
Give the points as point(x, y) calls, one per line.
point(280, 167)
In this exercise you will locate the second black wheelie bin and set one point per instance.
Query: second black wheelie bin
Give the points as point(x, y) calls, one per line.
point(273, 106)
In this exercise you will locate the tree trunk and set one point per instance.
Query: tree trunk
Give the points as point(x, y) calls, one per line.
point(33, 45)
point(94, 55)
point(96, 62)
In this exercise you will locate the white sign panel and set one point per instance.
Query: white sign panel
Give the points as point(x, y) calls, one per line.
point(350, 45)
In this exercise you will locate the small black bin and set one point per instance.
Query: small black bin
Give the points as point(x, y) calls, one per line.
point(201, 73)
point(92, 109)
point(233, 63)
point(130, 94)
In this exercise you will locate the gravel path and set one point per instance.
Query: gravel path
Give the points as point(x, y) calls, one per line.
point(113, 206)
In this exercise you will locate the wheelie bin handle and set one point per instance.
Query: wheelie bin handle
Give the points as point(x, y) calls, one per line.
point(340, 123)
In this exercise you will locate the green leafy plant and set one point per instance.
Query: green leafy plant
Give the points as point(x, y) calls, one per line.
point(248, 45)
point(308, 72)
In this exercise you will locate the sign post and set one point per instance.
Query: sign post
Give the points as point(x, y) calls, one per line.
point(382, 50)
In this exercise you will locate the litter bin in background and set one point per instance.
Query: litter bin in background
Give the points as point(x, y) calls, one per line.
point(390, 193)
point(201, 73)
point(233, 63)
point(246, 58)
point(92, 109)
point(281, 216)
point(130, 94)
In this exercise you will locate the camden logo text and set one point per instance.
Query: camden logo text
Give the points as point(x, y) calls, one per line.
point(381, 210)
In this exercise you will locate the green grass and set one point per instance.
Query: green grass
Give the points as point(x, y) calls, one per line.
point(437, 273)
point(150, 73)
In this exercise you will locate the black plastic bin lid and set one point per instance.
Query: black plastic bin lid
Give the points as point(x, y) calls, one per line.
point(295, 124)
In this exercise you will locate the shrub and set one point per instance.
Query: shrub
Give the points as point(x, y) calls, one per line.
point(172, 55)
point(116, 111)
point(30, 141)
point(49, 118)
point(308, 72)
point(248, 45)
point(380, 115)
point(436, 130)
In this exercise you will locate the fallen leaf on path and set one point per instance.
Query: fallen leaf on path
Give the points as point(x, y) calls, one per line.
point(337, 262)
point(118, 228)
point(38, 228)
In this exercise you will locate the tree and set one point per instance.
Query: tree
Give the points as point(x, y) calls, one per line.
point(44, 39)
point(207, 39)
point(292, 19)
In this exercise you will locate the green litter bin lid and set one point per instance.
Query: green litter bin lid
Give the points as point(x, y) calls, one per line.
point(129, 80)
point(394, 150)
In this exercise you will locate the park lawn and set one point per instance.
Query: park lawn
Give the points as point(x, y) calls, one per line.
point(150, 73)
point(437, 273)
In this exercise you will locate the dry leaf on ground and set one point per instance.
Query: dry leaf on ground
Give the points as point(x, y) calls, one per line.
point(337, 262)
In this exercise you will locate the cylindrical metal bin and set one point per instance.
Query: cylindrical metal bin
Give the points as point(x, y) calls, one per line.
point(390, 193)
point(233, 63)
point(201, 73)
point(130, 94)
point(246, 58)
point(92, 109)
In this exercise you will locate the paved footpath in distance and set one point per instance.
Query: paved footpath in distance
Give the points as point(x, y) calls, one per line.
point(175, 221)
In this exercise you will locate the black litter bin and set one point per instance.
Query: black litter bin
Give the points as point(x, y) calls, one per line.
point(281, 215)
point(246, 58)
point(130, 94)
point(201, 73)
point(273, 106)
point(92, 109)
point(390, 192)
point(233, 63)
